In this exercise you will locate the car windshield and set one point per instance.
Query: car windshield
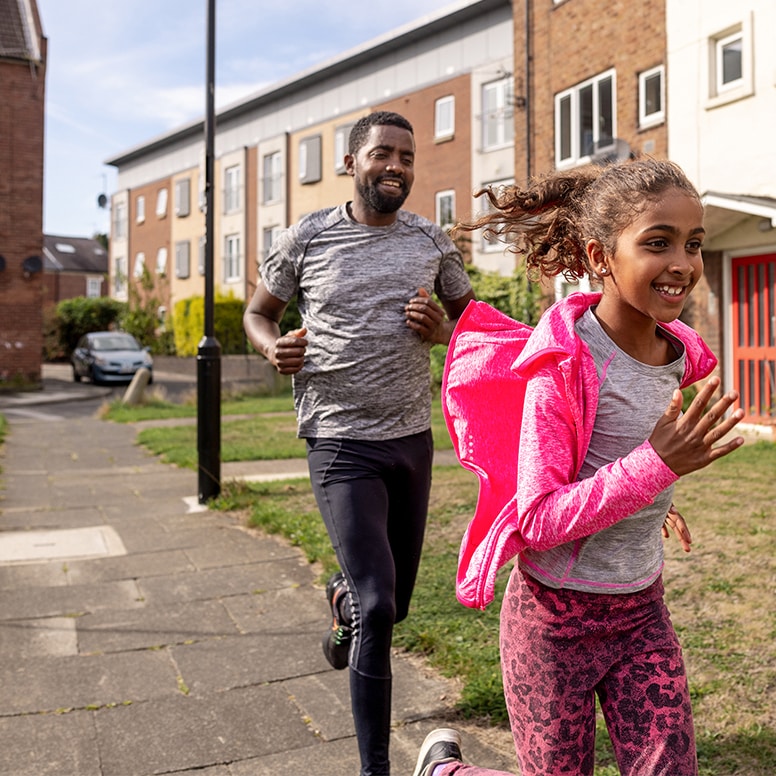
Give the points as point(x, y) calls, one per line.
point(115, 342)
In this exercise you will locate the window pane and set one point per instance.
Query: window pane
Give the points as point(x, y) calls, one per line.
point(586, 136)
point(605, 113)
point(564, 130)
point(732, 61)
point(653, 102)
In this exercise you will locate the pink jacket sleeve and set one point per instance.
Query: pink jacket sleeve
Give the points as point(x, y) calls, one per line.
point(552, 506)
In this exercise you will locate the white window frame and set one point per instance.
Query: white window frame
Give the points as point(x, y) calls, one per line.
point(232, 259)
point(720, 92)
point(120, 221)
point(268, 236)
point(161, 262)
point(161, 203)
point(444, 118)
point(182, 197)
point(201, 255)
point(341, 141)
point(232, 184)
point(140, 216)
point(577, 154)
point(657, 116)
point(120, 277)
point(720, 45)
point(500, 115)
point(93, 287)
point(272, 174)
point(441, 200)
point(492, 245)
point(139, 265)
point(182, 259)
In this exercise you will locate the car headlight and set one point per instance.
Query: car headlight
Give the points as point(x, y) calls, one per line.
point(100, 361)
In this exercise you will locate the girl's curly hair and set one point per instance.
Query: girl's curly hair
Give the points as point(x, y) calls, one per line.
point(553, 218)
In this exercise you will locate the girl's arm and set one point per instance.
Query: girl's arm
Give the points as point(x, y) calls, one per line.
point(552, 506)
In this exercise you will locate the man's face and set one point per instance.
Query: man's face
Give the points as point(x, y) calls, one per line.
point(383, 169)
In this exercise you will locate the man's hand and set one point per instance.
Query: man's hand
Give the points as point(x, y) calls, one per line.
point(426, 317)
point(287, 355)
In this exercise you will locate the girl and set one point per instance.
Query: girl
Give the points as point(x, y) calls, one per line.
point(601, 440)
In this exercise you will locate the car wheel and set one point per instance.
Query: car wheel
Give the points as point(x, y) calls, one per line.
point(92, 377)
point(76, 376)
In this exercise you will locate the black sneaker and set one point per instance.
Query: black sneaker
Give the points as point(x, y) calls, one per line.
point(336, 642)
point(441, 746)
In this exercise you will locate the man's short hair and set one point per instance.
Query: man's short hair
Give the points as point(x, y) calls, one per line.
point(360, 131)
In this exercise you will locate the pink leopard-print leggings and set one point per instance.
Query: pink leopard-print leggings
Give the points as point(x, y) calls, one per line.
point(561, 648)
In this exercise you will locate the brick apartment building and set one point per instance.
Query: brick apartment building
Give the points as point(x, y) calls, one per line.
point(22, 91)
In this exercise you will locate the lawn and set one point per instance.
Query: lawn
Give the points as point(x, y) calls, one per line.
point(721, 595)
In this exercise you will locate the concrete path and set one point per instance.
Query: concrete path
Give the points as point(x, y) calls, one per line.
point(141, 637)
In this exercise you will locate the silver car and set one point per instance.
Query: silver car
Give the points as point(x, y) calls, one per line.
point(109, 357)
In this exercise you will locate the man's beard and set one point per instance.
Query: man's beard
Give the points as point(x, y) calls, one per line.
point(378, 201)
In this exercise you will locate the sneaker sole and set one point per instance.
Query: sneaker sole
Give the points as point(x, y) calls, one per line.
point(434, 737)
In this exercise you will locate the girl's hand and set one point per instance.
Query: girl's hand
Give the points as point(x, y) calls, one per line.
point(685, 442)
point(675, 522)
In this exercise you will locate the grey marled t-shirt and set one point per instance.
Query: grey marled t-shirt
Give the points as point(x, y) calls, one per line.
point(366, 374)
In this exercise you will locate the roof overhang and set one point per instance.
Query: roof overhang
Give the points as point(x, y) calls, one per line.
point(724, 211)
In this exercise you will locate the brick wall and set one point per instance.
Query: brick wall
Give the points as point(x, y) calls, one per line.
point(22, 92)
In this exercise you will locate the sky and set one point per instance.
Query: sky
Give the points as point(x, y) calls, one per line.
point(121, 73)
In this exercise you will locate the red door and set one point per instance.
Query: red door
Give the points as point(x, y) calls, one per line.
point(754, 335)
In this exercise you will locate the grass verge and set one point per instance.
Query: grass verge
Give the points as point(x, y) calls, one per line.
point(721, 595)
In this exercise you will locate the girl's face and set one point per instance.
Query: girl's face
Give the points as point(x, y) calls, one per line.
point(657, 259)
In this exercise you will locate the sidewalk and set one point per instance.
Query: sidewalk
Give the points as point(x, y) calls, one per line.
point(141, 636)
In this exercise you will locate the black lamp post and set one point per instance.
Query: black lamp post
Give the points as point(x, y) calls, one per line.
point(209, 350)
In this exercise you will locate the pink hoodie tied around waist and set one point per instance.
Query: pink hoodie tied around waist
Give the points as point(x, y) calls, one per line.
point(489, 361)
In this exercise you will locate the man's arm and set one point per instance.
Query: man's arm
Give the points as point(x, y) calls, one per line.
point(261, 322)
point(427, 318)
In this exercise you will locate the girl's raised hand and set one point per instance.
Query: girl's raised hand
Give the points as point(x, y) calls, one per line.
point(685, 441)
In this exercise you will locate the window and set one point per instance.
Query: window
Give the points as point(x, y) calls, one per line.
point(310, 159)
point(182, 259)
point(201, 255)
point(491, 244)
point(93, 287)
point(139, 268)
point(232, 189)
point(729, 61)
point(445, 208)
point(444, 118)
point(120, 221)
point(182, 197)
point(584, 120)
point(232, 258)
point(161, 262)
point(651, 97)
point(498, 128)
point(270, 234)
point(273, 178)
point(341, 141)
point(161, 203)
point(120, 276)
point(731, 72)
point(140, 209)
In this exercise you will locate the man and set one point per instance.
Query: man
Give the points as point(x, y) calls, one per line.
point(363, 273)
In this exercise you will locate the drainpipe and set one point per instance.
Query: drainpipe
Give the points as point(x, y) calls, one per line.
point(528, 89)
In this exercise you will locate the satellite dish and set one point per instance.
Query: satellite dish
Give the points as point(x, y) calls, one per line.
point(102, 201)
point(610, 150)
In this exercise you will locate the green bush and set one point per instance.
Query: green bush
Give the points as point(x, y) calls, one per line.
point(189, 324)
point(80, 315)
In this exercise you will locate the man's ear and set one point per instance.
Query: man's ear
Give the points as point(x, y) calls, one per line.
point(350, 164)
